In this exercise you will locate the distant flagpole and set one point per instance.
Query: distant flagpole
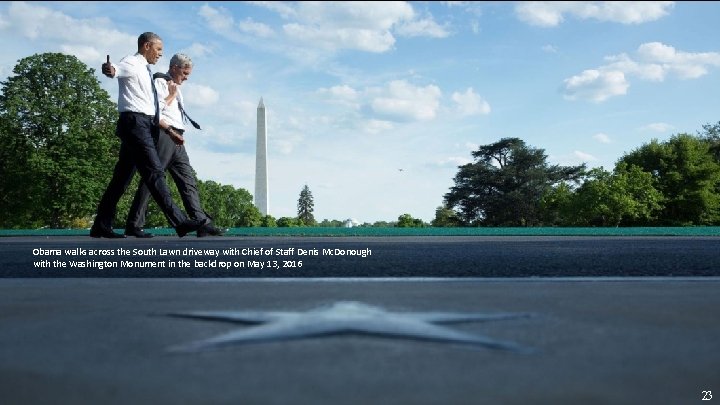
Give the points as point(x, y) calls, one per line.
point(261, 178)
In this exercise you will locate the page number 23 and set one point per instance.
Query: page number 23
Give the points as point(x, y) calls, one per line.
point(707, 395)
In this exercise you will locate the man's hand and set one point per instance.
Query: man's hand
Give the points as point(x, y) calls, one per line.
point(177, 138)
point(108, 69)
point(172, 88)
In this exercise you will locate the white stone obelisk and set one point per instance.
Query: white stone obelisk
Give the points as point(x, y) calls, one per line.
point(261, 178)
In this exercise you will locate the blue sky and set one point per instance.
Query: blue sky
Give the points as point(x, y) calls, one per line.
point(356, 91)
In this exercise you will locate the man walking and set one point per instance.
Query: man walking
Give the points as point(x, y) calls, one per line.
point(137, 124)
point(171, 151)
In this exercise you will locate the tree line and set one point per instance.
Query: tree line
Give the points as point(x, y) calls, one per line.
point(58, 147)
point(670, 183)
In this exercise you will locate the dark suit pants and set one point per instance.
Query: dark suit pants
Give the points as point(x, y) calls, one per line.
point(174, 159)
point(137, 151)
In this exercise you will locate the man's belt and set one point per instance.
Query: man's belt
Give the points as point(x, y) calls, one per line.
point(135, 113)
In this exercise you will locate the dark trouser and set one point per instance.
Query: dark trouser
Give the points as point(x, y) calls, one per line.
point(137, 151)
point(173, 158)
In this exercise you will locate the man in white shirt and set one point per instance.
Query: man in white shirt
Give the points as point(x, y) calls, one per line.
point(171, 151)
point(139, 113)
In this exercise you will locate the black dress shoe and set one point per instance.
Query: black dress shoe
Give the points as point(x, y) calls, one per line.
point(98, 232)
point(209, 230)
point(138, 233)
point(189, 225)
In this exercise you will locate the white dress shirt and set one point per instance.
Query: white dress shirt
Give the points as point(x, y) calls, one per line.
point(170, 113)
point(135, 85)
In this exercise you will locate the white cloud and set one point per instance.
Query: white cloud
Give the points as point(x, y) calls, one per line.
point(214, 138)
point(623, 63)
point(197, 50)
point(469, 103)
point(232, 167)
point(377, 109)
point(87, 39)
point(284, 146)
point(340, 38)
point(329, 26)
point(227, 112)
point(595, 85)
point(343, 94)
point(82, 52)
point(686, 65)
point(549, 48)
point(454, 161)
point(422, 28)
point(364, 26)
point(218, 19)
point(378, 126)
point(284, 9)
point(258, 29)
point(539, 13)
point(551, 14)
point(658, 127)
point(221, 21)
point(356, 15)
point(655, 61)
point(403, 101)
point(628, 12)
point(602, 138)
point(456, 3)
point(586, 157)
point(199, 95)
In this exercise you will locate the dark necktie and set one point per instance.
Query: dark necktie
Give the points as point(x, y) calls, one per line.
point(184, 115)
point(156, 119)
point(187, 117)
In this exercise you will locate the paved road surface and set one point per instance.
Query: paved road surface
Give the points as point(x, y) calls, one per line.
point(609, 339)
point(341, 257)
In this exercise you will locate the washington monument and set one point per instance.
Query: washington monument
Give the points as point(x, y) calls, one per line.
point(261, 179)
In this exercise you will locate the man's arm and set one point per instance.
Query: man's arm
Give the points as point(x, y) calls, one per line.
point(176, 137)
point(167, 91)
point(124, 68)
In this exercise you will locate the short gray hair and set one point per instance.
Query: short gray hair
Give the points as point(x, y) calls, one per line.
point(181, 60)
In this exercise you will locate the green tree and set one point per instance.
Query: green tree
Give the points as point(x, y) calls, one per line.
point(268, 221)
point(57, 142)
point(505, 184)
point(445, 218)
point(250, 216)
point(556, 205)
point(687, 175)
point(334, 223)
point(226, 205)
point(711, 135)
point(609, 199)
point(288, 222)
point(407, 221)
point(305, 207)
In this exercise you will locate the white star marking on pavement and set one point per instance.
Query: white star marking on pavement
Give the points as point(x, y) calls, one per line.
point(346, 317)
